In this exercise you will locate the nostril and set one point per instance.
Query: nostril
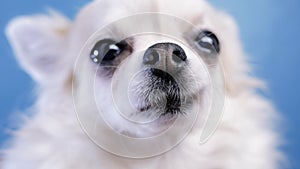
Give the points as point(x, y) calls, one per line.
point(167, 55)
point(178, 56)
point(151, 57)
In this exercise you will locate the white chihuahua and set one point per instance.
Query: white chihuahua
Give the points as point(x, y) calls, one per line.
point(140, 84)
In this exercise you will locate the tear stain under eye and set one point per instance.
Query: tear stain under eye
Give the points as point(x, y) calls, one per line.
point(70, 81)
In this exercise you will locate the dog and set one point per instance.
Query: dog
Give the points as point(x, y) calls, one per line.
point(140, 84)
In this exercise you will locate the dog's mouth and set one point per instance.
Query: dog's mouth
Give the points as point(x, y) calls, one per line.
point(162, 94)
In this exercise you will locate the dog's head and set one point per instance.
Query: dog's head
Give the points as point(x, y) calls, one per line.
point(141, 65)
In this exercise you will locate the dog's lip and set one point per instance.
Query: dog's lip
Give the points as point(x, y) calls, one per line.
point(148, 107)
point(144, 108)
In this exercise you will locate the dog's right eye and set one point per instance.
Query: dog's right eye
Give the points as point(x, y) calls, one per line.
point(106, 50)
point(208, 42)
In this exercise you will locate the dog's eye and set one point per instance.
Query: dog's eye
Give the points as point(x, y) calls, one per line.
point(107, 50)
point(207, 42)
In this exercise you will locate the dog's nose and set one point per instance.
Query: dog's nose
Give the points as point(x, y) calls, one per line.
point(166, 56)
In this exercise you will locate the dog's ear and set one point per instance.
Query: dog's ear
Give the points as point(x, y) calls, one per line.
point(39, 42)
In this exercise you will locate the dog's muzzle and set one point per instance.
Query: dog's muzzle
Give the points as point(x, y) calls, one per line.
point(164, 62)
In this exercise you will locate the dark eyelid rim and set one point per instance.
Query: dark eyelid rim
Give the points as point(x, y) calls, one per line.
point(202, 31)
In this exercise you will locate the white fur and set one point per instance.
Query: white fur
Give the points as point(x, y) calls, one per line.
point(53, 138)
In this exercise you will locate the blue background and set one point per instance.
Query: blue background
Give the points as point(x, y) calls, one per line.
point(269, 30)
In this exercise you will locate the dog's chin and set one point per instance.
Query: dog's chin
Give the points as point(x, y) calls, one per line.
point(167, 107)
point(163, 100)
point(159, 118)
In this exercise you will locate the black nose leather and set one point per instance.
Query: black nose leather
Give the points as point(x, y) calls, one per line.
point(169, 54)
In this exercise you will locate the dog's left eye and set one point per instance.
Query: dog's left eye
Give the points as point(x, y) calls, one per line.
point(107, 50)
point(207, 42)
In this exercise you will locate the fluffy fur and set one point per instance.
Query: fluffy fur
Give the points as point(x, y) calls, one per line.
point(52, 138)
